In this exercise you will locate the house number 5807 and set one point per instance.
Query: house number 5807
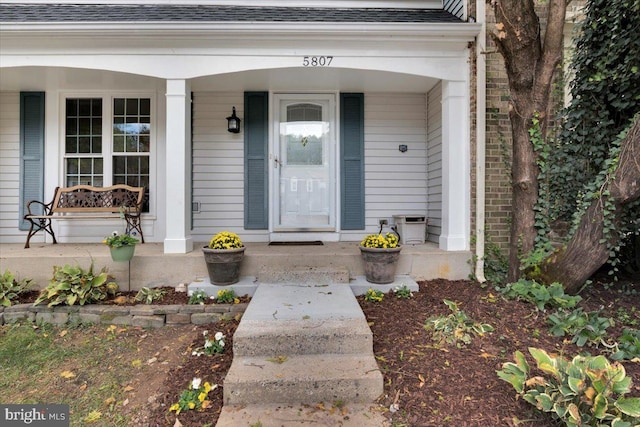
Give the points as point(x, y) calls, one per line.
point(317, 61)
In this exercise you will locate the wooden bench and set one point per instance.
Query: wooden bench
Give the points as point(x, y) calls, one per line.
point(87, 202)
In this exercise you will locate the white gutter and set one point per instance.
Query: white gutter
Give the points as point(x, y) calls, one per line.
point(481, 108)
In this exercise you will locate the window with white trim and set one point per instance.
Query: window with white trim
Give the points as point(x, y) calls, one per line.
point(99, 157)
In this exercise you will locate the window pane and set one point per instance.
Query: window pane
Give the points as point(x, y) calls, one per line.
point(118, 107)
point(132, 107)
point(144, 144)
point(86, 166)
point(84, 145)
point(84, 107)
point(119, 165)
point(72, 107)
point(71, 144)
point(145, 107)
point(96, 146)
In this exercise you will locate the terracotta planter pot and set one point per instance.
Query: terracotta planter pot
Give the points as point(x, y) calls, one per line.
point(223, 265)
point(380, 264)
point(122, 253)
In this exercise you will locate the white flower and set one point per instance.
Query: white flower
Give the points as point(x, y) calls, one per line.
point(218, 336)
point(205, 333)
point(207, 344)
point(114, 233)
point(195, 384)
point(221, 342)
point(394, 408)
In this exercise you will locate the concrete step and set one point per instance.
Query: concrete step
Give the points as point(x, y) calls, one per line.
point(306, 336)
point(302, 379)
point(303, 274)
point(320, 414)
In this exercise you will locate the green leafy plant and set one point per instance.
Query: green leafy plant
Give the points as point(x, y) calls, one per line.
point(225, 240)
point(586, 328)
point(586, 391)
point(11, 288)
point(71, 285)
point(628, 345)
point(540, 295)
point(226, 296)
point(148, 295)
point(456, 328)
point(117, 240)
point(198, 297)
point(194, 398)
point(211, 346)
point(403, 292)
point(373, 295)
point(387, 241)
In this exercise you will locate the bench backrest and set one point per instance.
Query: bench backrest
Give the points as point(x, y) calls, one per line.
point(85, 198)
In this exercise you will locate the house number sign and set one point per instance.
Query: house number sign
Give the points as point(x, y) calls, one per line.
point(317, 61)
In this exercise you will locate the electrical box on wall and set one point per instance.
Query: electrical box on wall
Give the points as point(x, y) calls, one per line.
point(411, 228)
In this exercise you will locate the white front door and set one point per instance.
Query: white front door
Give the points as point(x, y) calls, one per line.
point(304, 162)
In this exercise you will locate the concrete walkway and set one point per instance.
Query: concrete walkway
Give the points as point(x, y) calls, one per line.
point(303, 355)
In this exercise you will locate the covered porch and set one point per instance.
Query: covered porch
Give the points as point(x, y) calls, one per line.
point(151, 267)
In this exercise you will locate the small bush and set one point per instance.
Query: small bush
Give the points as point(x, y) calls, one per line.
point(403, 292)
point(540, 295)
point(148, 295)
point(586, 328)
point(373, 295)
point(226, 296)
point(628, 345)
point(11, 288)
point(586, 391)
point(198, 297)
point(456, 328)
point(74, 285)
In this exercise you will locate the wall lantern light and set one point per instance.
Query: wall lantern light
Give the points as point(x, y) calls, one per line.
point(233, 122)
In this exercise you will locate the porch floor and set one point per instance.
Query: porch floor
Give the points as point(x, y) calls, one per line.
point(150, 266)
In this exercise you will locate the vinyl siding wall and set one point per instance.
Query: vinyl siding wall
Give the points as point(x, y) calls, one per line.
point(434, 162)
point(396, 183)
point(10, 167)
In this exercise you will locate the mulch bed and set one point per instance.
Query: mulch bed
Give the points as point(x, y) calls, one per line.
point(429, 384)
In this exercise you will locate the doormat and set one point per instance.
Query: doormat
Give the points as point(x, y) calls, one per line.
point(311, 243)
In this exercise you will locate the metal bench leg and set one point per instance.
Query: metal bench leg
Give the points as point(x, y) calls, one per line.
point(133, 223)
point(42, 224)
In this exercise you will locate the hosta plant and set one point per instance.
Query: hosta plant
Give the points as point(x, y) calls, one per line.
point(584, 391)
point(75, 285)
point(149, 295)
point(586, 328)
point(11, 288)
point(540, 295)
point(456, 328)
point(628, 345)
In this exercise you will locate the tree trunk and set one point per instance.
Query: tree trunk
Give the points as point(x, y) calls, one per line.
point(588, 250)
point(530, 69)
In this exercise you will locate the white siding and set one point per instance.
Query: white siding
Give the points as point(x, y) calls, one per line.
point(10, 167)
point(395, 182)
point(434, 164)
point(218, 168)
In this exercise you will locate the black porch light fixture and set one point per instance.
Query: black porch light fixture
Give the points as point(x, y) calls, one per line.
point(233, 122)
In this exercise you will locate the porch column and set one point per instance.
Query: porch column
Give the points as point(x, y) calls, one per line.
point(178, 168)
point(456, 179)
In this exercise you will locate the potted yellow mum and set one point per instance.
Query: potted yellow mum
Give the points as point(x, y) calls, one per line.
point(380, 254)
point(223, 256)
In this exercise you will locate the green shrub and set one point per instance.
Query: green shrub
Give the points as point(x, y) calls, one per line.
point(403, 292)
point(628, 345)
point(586, 328)
point(456, 328)
point(148, 295)
point(74, 285)
point(11, 288)
point(226, 296)
point(586, 391)
point(540, 295)
point(373, 295)
point(198, 297)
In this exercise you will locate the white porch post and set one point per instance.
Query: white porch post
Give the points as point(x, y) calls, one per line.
point(178, 168)
point(456, 179)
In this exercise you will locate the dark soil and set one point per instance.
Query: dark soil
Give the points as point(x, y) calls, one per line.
point(431, 384)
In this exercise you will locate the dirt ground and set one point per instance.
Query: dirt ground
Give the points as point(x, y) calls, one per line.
point(427, 384)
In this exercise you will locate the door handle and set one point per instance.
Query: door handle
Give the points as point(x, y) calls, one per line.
point(276, 162)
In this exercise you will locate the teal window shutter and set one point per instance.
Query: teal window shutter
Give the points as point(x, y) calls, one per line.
point(31, 152)
point(256, 139)
point(352, 160)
